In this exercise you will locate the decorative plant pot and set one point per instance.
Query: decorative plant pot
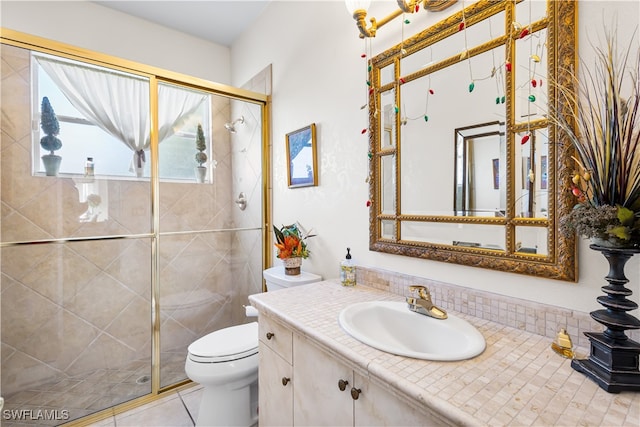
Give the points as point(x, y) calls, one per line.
point(51, 164)
point(292, 266)
point(613, 362)
point(201, 174)
point(612, 242)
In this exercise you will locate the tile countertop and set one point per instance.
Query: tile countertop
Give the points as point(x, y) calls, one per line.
point(517, 380)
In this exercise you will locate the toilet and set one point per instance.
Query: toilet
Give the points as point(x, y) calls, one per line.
point(225, 363)
point(276, 279)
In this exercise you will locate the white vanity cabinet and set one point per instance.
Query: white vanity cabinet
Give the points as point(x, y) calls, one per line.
point(275, 400)
point(303, 385)
point(377, 406)
point(318, 400)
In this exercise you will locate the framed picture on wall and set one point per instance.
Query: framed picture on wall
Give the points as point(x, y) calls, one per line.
point(302, 162)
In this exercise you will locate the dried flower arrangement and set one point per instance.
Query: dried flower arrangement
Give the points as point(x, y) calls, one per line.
point(606, 137)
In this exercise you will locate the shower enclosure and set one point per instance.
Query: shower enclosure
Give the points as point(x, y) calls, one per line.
point(107, 278)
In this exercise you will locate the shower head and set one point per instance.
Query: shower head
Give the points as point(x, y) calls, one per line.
point(231, 127)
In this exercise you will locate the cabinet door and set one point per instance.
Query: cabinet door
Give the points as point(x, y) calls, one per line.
point(318, 401)
point(276, 336)
point(375, 406)
point(275, 407)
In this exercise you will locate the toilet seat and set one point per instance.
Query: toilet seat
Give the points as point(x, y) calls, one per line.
point(224, 345)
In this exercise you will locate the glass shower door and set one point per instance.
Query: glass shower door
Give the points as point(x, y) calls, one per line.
point(75, 261)
point(210, 251)
point(85, 255)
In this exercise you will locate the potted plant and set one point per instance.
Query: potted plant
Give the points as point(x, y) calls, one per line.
point(606, 137)
point(606, 184)
point(292, 248)
point(50, 142)
point(201, 156)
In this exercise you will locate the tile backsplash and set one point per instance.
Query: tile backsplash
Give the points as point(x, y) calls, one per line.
point(541, 319)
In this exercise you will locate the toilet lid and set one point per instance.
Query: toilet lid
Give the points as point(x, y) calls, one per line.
point(226, 344)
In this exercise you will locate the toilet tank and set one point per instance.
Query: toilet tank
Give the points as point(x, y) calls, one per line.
point(276, 279)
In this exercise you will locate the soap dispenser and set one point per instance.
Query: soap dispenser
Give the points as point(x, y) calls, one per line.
point(347, 271)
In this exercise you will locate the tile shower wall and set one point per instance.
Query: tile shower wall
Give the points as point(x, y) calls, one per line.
point(541, 319)
point(246, 150)
point(76, 316)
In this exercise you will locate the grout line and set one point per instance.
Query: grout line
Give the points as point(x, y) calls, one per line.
point(186, 408)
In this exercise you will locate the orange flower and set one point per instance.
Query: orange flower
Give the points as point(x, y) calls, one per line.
point(290, 243)
point(292, 246)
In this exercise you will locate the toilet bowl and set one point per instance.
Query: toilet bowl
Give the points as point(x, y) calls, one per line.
point(225, 363)
point(276, 278)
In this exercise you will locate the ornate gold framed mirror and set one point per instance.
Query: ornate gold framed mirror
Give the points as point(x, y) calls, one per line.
point(465, 166)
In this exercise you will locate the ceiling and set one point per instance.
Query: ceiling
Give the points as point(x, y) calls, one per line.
point(218, 21)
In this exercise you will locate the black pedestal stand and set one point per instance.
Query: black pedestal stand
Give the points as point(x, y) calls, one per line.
point(613, 362)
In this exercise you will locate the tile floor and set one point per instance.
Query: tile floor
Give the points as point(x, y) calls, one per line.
point(86, 394)
point(175, 410)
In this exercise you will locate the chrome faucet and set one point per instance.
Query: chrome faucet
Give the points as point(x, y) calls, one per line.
point(423, 304)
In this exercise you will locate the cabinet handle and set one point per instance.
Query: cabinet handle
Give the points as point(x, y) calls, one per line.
point(355, 393)
point(342, 384)
point(285, 380)
point(270, 335)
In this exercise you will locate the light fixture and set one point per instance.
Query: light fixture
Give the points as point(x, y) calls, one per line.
point(358, 9)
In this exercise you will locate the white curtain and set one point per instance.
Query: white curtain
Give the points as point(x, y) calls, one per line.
point(119, 103)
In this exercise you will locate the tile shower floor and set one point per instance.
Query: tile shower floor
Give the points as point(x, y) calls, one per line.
point(101, 389)
point(176, 409)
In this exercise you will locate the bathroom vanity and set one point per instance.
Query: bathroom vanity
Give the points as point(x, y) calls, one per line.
point(314, 373)
point(328, 391)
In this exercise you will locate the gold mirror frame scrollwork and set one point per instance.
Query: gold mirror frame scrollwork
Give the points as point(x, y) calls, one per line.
point(438, 5)
point(560, 260)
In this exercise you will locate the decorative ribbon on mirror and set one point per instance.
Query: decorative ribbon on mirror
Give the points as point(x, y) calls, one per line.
point(503, 213)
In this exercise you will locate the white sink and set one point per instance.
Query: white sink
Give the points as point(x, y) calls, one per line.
point(390, 326)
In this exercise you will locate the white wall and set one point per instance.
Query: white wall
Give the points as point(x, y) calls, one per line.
point(319, 76)
point(91, 26)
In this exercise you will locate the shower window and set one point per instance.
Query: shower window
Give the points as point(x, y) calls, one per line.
point(180, 112)
point(95, 122)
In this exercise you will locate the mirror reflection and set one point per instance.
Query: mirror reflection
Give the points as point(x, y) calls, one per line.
point(479, 163)
point(489, 195)
point(532, 183)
